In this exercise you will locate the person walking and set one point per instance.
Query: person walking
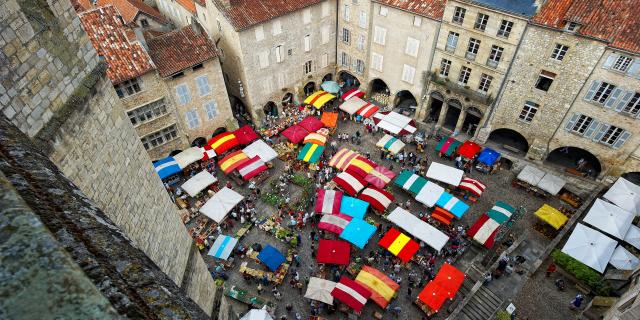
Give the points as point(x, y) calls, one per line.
point(576, 302)
point(551, 269)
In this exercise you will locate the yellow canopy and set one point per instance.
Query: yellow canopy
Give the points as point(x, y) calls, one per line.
point(319, 98)
point(551, 216)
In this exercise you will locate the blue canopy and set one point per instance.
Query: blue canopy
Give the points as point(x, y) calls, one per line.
point(330, 86)
point(488, 156)
point(271, 257)
point(358, 232)
point(166, 167)
point(222, 247)
point(452, 204)
point(353, 207)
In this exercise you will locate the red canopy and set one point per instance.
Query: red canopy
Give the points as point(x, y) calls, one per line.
point(333, 252)
point(246, 135)
point(444, 286)
point(351, 293)
point(469, 149)
point(223, 142)
point(295, 133)
point(352, 93)
point(311, 124)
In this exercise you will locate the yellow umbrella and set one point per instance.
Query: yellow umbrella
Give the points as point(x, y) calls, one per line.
point(551, 216)
point(319, 98)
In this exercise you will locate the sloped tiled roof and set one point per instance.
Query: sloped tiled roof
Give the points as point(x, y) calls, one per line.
point(243, 14)
point(129, 9)
point(189, 5)
point(612, 21)
point(177, 50)
point(108, 36)
point(433, 9)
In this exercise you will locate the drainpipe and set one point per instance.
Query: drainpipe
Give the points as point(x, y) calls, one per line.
point(337, 41)
point(433, 52)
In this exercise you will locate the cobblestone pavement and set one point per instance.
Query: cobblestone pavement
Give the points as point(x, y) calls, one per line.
point(499, 188)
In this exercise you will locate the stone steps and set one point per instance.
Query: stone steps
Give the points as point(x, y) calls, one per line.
point(482, 305)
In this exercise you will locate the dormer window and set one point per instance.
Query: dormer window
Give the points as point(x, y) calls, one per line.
point(572, 26)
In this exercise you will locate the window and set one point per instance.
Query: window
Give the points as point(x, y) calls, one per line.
point(472, 49)
point(289, 52)
point(278, 53)
point(505, 29)
point(324, 33)
point(346, 13)
point(308, 67)
point(346, 36)
point(159, 137)
point(494, 56)
point(603, 92)
point(259, 30)
point(622, 63)
point(344, 59)
point(485, 83)
point(379, 35)
point(572, 26)
point(307, 43)
point(306, 16)
point(177, 75)
point(633, 106)
point(359, 66)
point(129, 87)
point(362, 22)
point(361, 43)
point(582, 123)
point(545, 79)
point(611, 135)
point(324, 60)
point(458, 15)
point(182, 92)
point(325, 9)
point(276, 27)
point(528, 111)
point(147, 112)
point(144, 23)
point(559, 52)
point(445, 67)
point(464, 75)
point(203, 85)
point(211, 108)
point(412, 47)
point(263, 59)
point(193, 121)
point(384, 11)
point(481, 22)
point(376, 61)
point(197, 66)
point(408, 72)
point(417, 21)
point(452, 41)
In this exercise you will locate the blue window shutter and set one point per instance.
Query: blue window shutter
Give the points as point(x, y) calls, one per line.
point(625, 99)
point(601, 131)
point(571, 122)
point(611, 59)
point(634, 70)
point(612, 98)
point(592, 90)
point(591, 129)
point(623, 137)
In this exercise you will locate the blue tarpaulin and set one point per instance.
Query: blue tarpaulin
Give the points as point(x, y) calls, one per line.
point(488, 156)
point(358, 232)
point(222, 247)
point(353, 207)
point(166, 167)
point(452, 204)
point(271, 257)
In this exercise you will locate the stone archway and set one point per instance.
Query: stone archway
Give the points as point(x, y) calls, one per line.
point(199, 142)
point(174, 152)
point(287, 99)
point(270, 109)
point(327, 77)
point(575, 159)
point(240, 111)
point(471, 120)
point(347, 81)
point(309, 88)
point(454, 109)
point(436, 101)
point(633, 177)
point(405, 103)
point(380, 91)
point(510, 140)
point(218, 131)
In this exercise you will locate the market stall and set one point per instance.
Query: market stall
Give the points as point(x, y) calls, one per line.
point(349, 183)
point(379, 177)
point(188, 156)
point(469, 149)
point(351, 293)
point(625, 195)
point(472, 185)
point(379, 199)
point(319, 99)
point(447, 146)
point(320, 290)
point(261, 149)
point(429, 194)
point(399, 244)
point(232, 161)
point(334, 222)
point(531, 175)
point(382, 288)
point(590, 247)
point(452, 204)
point(486, 159)
point(223, 142)
point(354, 207)
point(310, 153)
point(442, 288)
point(551, 216)
point(358, 232)
point(395, 123)
point(199, 182)
point(352, 105)
point(367, 110)
point(484, 231)
point(609, 218)
point(218, 206)
point(622, 259)
point(360, 166)
point(551, 183)
point(315, 138)
point(633, 237)
point(223, 247)
point(257, 314)
point(166, 167)
point(501, 212)
point(444, 173)
point(352, 93)
point(246, 135)
point(295, 133)
point(328, 201)
point(333, 252)
point(251, 168)
point(271, 257)
point(410, 181)
point(342, 158)
point(390, 143)
point(329, 119)
point(311, 124)
point(418, 228)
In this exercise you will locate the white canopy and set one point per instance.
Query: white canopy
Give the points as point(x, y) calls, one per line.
point(622, 259)
point(551, 183)
point(418, 228)
point(625, 195)
point(257, 314)
point(352, 105)
point(633, 237)
point(261, 149)
point(590, 247)
point(429, 194)
point(531, 175)
point(188, 156)
point(395, 146)
point(320, 289)
point(445, 173)
point(198, 183)
point(220, 204)
point(609, 218)
point(394, 122)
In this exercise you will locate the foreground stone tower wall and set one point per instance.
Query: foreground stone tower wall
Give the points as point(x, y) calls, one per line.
point(53, 88)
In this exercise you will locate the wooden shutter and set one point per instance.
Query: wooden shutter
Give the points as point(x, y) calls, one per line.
point(592, 90)
point(611, 59)
point(612, 98)
point(625, 99)
point(572, 122)
point(601, 131)
point(623, 137)
point(591, 129)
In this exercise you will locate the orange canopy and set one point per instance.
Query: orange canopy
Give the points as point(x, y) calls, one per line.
point(330, 119)
point(444, 286)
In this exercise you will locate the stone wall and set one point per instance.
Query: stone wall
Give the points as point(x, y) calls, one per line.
point(356, 30)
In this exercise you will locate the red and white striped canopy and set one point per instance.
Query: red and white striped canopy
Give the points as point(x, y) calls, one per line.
point(207, 152)
point(351, 293)
point(334, 222)
point(252, 168)
point(328, 201)
point(368, 110)
point(342, 158)
point(378, 199)
point(484, 231)
point(351, 184)
point(352, 93)
point(472, 185)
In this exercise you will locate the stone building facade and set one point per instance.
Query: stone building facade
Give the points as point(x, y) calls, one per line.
point(180, 12)
point(354, 23)
point(55, 90)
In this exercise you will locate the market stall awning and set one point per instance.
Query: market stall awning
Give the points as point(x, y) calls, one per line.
point(271, 257)
point(311, 124)
point(295, 133)
point(590, 247)
point(351, 293)
point(622, 259)
point(232, 161)
point(410, 181)
point(223, 142)
point(379, 199)
point(261, 149)
point(551, 183)
point(358, 232)
point(342, 158)
point(352, 93)
point(399, 244)
point(488, 156)
point(390, 143)
point(330, 86)
point(188, 156)
point(246, 135)
point(207, 152)
point(469, 149)
point(352, 105)
point(382, 288)
point(484, 231)
point(354, 207)
point(380, 176)
point(501, 212)
point(351, 184)
point(448, 146)
point(329, 119)
point(452, 204)
point(625, 194)
point(531, 175)
point(444, 173)
point(315, 138)
point(319, 98)
point(310, 153)
point(218, 206)
point(429, 194)
point(166, 167)
point(252, 168)
point(334, 222)
point(444, 286)
point(418, 228)
point(320, 290)
point(633, 237)
point(223, 247)
point(198, 183)
point(551, 216)
point(328, 201)
point(472, 185)
point(609, 218)
point(360, 166)
point(333, 252)
point(367, 110)
point(395, 123)
point(257, 314)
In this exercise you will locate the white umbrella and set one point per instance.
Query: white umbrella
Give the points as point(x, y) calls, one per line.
point(623, 259)
point(625, 195)
point(633, 237)
point(590, 247)
point(220, 204)
point(257, 314)
point(198, 183)
point(531, 175)
point(609, 218)
point(320, 290)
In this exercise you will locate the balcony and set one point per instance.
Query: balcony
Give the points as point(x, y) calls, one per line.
point(492, 63)
point(470, 56)
point(450, 48)
point(465, 91)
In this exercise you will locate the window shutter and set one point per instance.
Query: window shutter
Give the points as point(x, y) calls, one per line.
point(610, 61)
point(623, 137)
point(592, 91)
point(625, 99)
point(634, 70)
point(612, 98)
point(602, 130)
point(591, 129)
point(571, 122)
point(307, 43)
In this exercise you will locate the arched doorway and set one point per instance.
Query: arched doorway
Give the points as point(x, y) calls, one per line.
point(347, 81)
point(218, 131)
point(327, 77)
point(380, 92)
point(471, 121)
point(509, 139)
point(633, 177)
point(287, 99)
point(405, 103)
point(240, 111)
point(454, 108)
point(174, 152)
point(577, 159)
point(309, 88)
point(199, 142)
point(270, 109)
point(436, 100)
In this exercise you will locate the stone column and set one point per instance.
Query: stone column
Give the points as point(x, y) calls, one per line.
point(461, 117)
point(443, 114)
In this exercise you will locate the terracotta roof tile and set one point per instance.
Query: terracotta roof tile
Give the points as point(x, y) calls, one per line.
point(243, 14)
point(129, 9)
point(108, 35)
point(612, 21)
point(177, 50)
point(433, 9)
point(189, 5)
